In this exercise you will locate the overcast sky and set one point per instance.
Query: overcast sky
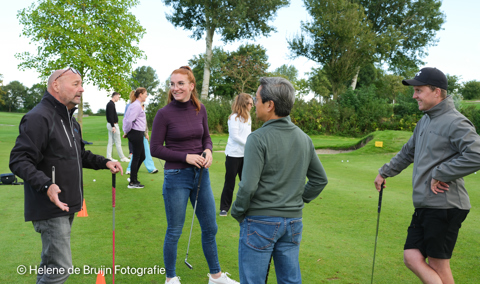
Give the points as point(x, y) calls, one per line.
point(167, 48)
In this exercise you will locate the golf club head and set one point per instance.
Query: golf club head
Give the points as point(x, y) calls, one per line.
point(188, 264)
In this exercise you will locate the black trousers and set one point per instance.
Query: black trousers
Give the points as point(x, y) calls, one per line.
point(136, 138)
point(233, 166)
point(130, 147)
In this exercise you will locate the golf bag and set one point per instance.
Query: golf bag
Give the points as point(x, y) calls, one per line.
point(9, 179)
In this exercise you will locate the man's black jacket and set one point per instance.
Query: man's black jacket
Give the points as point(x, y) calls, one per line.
point(51, 137)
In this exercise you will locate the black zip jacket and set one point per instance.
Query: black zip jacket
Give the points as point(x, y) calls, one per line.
point(111, 113)
point(51, 137)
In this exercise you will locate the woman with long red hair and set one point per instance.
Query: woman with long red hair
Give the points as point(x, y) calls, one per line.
point(179, 136)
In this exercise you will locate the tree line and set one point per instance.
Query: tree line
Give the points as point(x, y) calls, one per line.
point(357, 44)
point(380, 102)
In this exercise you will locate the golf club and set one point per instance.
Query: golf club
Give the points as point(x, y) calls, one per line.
point(194, 209)
point(113, 205)
point(268, 269)
point(378, 221)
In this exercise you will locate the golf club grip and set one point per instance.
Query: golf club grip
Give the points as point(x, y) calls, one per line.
point(380, 194)
point(201, 172)
point(113, 189)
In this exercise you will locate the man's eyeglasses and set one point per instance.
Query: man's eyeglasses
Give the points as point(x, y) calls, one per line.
point(74, 71)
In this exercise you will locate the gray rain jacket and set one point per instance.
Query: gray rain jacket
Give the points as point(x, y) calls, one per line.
point(444, 146)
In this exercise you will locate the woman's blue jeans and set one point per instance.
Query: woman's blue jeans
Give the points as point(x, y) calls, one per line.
point(263, 237)
point(180, 185)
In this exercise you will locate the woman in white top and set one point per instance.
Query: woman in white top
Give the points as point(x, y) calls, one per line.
point(239, 127)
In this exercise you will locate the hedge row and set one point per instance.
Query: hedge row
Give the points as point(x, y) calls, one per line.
point(355, 113)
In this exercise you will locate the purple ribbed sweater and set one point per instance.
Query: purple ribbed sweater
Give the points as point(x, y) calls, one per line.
point(182, 130)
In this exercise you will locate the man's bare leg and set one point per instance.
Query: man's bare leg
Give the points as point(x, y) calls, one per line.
point(436, 271)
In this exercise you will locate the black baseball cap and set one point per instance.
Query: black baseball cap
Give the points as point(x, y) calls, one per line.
point(428, 76)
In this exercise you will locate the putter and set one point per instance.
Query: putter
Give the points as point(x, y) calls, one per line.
point(194, 209)
point(113, 205)
point(378, 222)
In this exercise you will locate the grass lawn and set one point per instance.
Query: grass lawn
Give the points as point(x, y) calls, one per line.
point(319, 141)
point(339, 226)
point(471, 103)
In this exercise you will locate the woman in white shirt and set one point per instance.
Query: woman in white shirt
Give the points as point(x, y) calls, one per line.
point(239, 127)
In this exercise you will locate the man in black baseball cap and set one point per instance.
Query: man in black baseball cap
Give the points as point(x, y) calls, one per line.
point(428, 76)
point(430, 85)
point(444, 148)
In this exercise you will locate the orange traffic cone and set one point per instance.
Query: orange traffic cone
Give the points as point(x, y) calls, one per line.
point(83, 212)
point(100, 278)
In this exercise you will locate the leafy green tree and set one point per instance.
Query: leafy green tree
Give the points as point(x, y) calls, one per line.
point(368, 75)
point(13, 97)
point(390, 86)
point(454, 84)
point(34, 95)
point(302, 88)
point(288, 72)
point(95, 37)
point(404, 30)
point(233, 20)
point(87, 109)
point(319, 84)
point(145, 77)
point(101, 112)
point(338, 37)
point(245, 67)
point(158, 100)
point(219, 84)
point(1, 91)
point(232, 72)
point(471, 90)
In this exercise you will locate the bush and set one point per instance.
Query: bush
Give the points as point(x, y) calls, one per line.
point(356, 113)
point(218, 110)
point(359, 112)
point(406, 106)
point(471, 90)
point(159, 100)
point(473, 114)
point(307, 116)
point(102, 111)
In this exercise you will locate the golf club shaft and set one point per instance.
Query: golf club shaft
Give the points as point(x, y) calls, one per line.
point(378, 223)
point(268, 269)
point(113, 206)
point(194, 209)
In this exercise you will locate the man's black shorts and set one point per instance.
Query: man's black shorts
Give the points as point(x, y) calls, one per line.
point(434, 231)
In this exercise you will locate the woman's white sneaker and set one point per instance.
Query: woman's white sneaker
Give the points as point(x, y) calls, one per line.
point(174, 280)
point(223, 279)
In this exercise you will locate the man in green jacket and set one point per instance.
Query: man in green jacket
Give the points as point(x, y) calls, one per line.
point(278, 158)
point(444, 148)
